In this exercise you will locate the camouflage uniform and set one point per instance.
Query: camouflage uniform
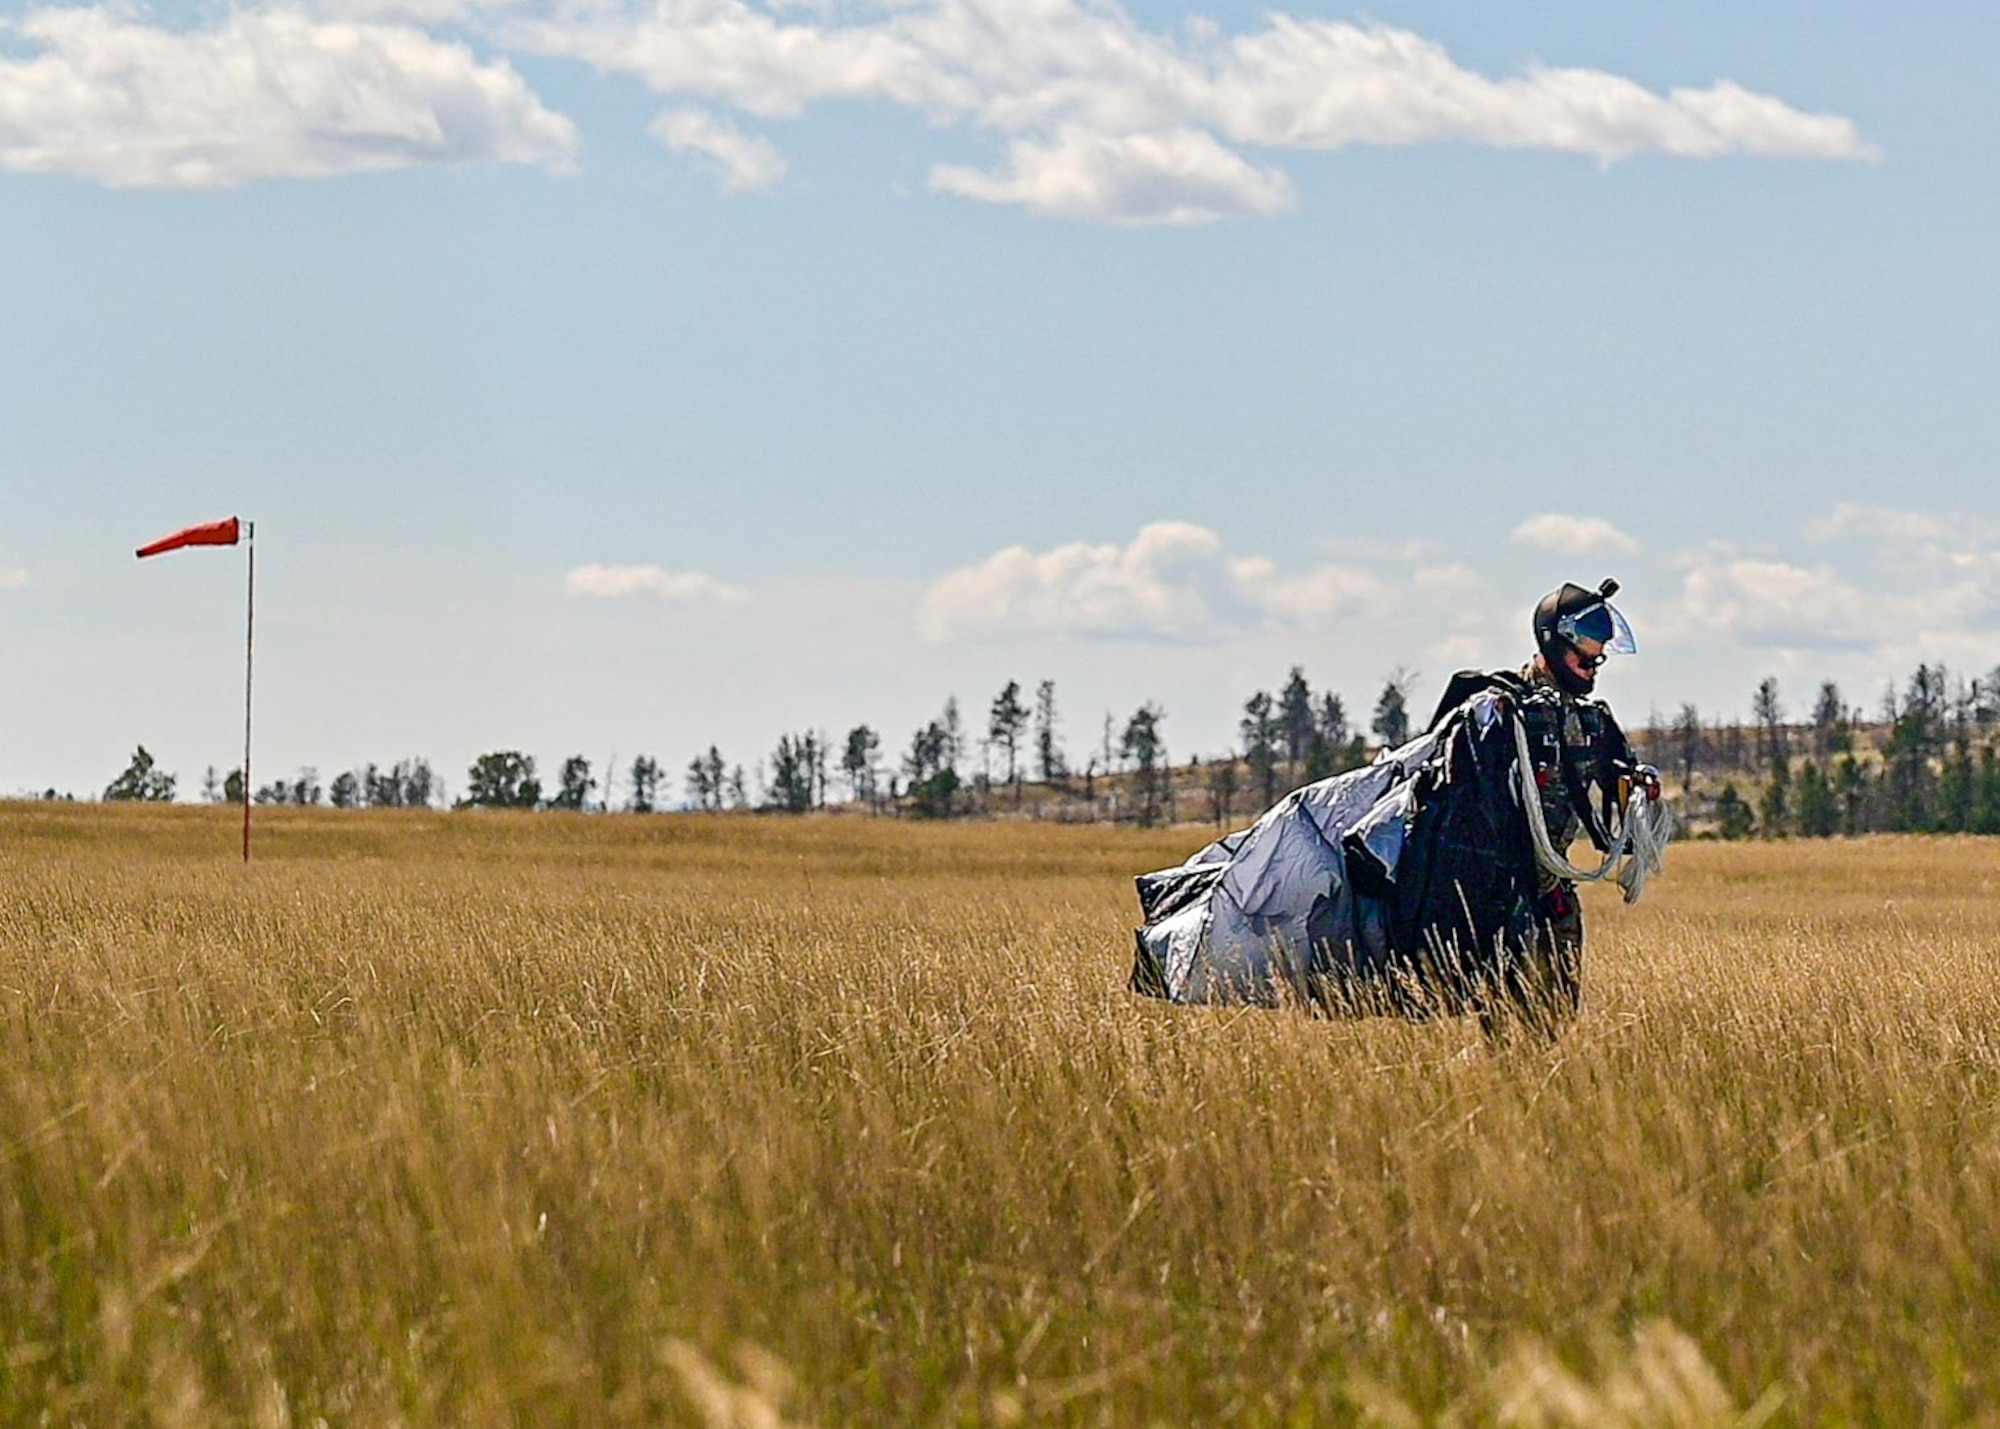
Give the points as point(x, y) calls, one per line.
point(1577, 749)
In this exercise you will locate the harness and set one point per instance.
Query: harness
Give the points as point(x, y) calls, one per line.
point(1635, 849)
point(1577, 751)
point(1573, 769)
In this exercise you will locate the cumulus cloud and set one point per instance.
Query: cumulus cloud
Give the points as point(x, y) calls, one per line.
point(1107, 121)
point(261, 94)
point(1165, 585)
point(746, 163)
point(1781, 605)
point(1460, 651)
point(1921, 546)
point(1173, 582)
point(1329, 84)
point(1456, 588)
point(1184, 177)
point(1575, 535)
point(1323, 594)
point(676, 587)
point(409, 12)
point(1092, 116)
point(1914, 585)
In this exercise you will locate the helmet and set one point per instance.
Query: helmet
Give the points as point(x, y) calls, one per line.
point(1572, 613)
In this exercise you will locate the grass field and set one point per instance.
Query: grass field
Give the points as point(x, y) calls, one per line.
point(471, 1119)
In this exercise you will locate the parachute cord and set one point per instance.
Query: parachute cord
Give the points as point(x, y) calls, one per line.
point(1640, 843)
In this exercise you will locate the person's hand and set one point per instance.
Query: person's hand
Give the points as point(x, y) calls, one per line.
point(1646, 777)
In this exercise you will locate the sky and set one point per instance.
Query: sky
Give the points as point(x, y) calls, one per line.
point(616, 378)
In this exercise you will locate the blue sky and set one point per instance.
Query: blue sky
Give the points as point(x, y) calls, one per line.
point(618, 379)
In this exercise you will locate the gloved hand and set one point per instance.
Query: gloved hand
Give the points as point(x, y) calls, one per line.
point(1637, 777)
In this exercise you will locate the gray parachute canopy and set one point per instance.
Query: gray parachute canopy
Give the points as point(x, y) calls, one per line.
point(1409, 885)
point(1270, 914)
point(1412, 885)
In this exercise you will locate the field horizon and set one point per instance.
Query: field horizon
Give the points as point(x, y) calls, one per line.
point(434, 1118)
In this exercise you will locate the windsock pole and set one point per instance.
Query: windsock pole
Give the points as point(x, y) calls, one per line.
point(227, 532)
point(249, 633)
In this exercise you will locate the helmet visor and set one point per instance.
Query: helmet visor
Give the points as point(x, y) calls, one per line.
point(1601, 624)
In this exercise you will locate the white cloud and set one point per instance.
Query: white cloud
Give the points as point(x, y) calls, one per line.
point(1454, 592)
point(11, 579)
point(1328, 85)
point(1885, 523)
point(1575, 535)
point(410, 12)
point(678, 587)
point(1173, 583)
point(1726, 118)
point(1107, 121)
point(1165, 585)
point(1458, 652)
point(1183, 177)
point(1102, 119)
point(1322, 594)
point(746, 162)
point(261, 94)
point(1917, 547)
point(1779, 606)
point(1858, 594)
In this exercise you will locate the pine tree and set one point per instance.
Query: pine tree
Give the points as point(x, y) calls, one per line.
point(1850, 792)
point(1295, 720)
point(1733, 817)
point(1687, 744)
point(1221, 788)
point(1818, 813)
point(142, 781)
point(573, 786)
point(1832, 733)
point(1141, 743)
point(645, 784)
point(933, 779)
point(857, 762)
point(1048, 749)
point(791, 788)
point(1986, 794)
point(1006, 721)
point(1260, 744)
point(1774, 815)
point(1392, 711)
point(503, 779)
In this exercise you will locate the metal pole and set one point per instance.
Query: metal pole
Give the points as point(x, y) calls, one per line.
point(249, 631)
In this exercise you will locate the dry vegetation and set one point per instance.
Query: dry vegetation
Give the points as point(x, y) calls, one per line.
point(438, 1119)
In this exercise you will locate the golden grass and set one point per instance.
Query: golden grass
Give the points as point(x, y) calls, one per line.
point(444, 1119)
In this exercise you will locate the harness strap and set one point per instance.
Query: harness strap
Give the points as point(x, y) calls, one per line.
point(1637, 849)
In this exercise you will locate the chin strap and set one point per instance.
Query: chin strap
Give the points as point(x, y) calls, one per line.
point(1639, 842)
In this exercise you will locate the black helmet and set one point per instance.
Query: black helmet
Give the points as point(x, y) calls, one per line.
point(1572, 613)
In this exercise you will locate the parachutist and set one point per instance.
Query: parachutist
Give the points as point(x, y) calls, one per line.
point(1436, 880)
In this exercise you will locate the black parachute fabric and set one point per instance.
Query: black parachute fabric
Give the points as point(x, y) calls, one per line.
point(1407, 886)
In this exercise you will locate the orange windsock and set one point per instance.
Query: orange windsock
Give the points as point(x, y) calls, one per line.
point(214, 533)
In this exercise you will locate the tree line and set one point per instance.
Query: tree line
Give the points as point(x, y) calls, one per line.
point(1925, 761)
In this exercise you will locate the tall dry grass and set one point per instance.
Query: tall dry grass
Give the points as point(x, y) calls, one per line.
point(432, 1119)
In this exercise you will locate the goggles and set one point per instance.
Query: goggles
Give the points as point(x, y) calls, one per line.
point(1602, 625)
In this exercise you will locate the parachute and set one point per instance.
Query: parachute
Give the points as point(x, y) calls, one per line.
point(1407, 887)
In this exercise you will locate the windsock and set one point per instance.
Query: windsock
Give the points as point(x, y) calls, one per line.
point(214, 533)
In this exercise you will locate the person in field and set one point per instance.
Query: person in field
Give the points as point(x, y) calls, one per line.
point(1582, 766)
point(1435, 881)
